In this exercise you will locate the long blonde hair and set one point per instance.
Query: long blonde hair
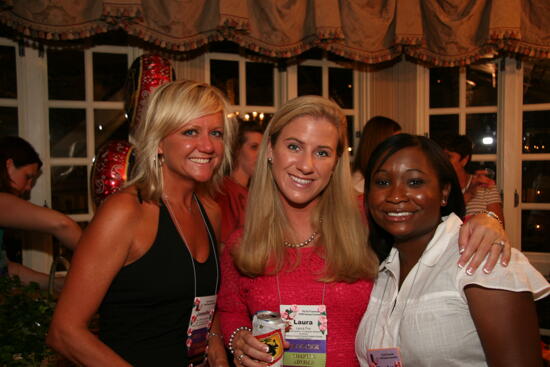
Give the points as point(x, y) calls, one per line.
point(343, 234)
point(170, 107)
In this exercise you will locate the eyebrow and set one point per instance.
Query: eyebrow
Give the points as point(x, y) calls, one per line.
point(301, 142)
point(409, 170)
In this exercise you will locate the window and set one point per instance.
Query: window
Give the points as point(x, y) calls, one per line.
point(505, 108)
point(9, 120)
point(249, 85)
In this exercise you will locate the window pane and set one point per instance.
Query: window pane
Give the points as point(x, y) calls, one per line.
point(8, 74)
point(66, 75)
point(67, 132)
point(535, 230)
point(442, 126)
point(481, 84)
point(536, 82)
point(482, 129)
point(109, 125)
point(109, 76)
point(535, 181)
point(340, 86)
point(351, 132)
point(225, 76)
point(70, 189)
point(310, 80)
point(536, 132)
point(259, 84)
point(8, 121)
point(443, 87)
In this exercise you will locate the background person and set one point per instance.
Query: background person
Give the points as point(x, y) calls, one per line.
point(375, 131)
point(148, 259)
point(234, 189)
point(19, 170)
point(434, 312)
point(480, 192)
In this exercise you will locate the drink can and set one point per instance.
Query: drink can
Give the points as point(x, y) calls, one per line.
point(269, 328)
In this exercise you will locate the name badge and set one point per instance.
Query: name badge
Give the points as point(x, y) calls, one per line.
point(199, 324)
point(307, 334)
point(385, 357)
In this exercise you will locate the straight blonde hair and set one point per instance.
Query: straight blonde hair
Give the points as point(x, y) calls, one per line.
point(343, 242)
point(170, 107)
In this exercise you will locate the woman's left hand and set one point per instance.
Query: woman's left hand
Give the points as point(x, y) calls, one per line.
point(482, 236)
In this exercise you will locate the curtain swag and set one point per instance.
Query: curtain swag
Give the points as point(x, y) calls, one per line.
point(438, 32)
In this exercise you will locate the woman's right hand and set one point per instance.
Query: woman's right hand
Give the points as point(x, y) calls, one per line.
point(249, 351)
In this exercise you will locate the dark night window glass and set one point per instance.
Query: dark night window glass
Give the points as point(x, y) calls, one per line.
point(536, 132)
point(70, 189)
point(444, 87)
point(66, 75)
point(442, 126)
point(535, 230)
point(351, 132)
point(535, 177)
point(8, 121)
point(225, 76)
point(8, 74)
point(109, 76)
point(340, 86)
point(259, 84)
point(310, 80)
point(481, 84)
point(482, 129)
point(109, 125)
point(67, 132)
point(536, 82)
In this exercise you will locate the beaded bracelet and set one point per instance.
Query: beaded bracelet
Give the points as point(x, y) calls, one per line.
point(489, 213)
point(233, 334)
point(211, 333)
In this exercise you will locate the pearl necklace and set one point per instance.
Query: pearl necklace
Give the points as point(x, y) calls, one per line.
point(303, 243)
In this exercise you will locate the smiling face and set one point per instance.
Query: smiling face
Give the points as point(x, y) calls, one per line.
point(405, 196)
point(195, 151)
point(22, 178)
point(303, 158)
point(248, 153)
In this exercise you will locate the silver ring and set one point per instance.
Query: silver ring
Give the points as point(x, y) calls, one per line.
point(499, 243)
point(240, 357)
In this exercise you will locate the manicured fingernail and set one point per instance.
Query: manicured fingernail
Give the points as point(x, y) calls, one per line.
point(461, 250)
point(267, 351)
point(460, 265)
point(470, 271)
point(272, 359)
point(504, 263)
point(486, 271)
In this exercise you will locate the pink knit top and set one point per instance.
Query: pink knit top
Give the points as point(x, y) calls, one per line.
point(240, 297)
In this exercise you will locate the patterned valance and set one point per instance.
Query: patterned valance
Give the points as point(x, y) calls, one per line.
point(438, 32)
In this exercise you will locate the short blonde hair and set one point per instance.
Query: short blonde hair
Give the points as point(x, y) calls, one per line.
point(343, 233)
point(170, 107)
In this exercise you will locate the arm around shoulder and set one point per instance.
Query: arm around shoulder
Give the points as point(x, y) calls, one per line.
point(102, 251)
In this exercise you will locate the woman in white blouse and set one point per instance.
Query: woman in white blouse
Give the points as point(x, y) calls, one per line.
point(424, 311)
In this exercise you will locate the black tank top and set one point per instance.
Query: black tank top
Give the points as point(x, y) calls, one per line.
point(145, 314)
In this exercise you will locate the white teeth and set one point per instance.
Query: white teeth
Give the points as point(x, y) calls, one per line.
point(399, 214)
point(301, 181)
point(200, 160)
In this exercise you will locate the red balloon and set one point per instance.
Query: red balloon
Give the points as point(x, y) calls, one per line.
point(111, 169)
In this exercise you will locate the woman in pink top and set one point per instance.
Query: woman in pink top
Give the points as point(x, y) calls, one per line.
point(303, 251)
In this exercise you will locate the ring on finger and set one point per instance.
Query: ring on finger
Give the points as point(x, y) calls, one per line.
point(240, 357)
point(499, 243)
